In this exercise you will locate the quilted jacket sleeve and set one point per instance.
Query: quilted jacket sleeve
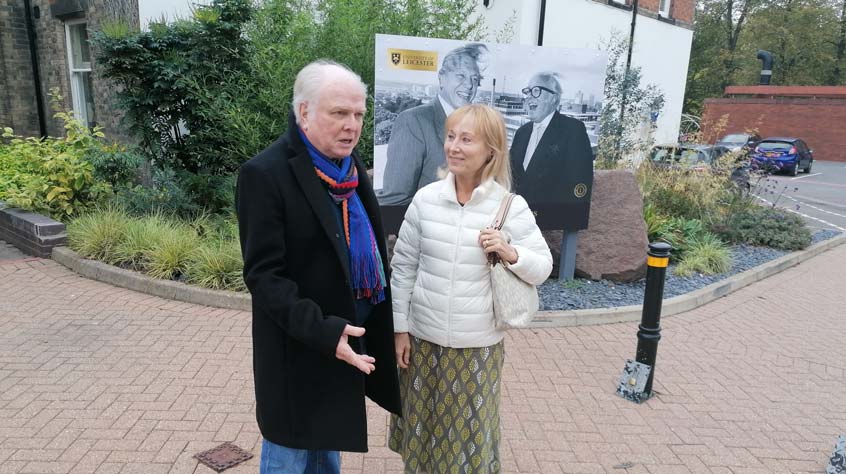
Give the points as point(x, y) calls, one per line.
point(404, 266)
point(534, 261)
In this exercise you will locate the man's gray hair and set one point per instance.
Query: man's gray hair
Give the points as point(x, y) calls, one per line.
point(553, 79)
point(473, 51)
point(312, 78)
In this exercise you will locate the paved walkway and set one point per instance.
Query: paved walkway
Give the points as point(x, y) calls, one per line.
point(100, 379)
point(9, 252)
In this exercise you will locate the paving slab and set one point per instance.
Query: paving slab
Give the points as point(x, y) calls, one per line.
point(10, 252)
point(95, 378)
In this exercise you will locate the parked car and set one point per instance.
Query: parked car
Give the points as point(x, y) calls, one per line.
point(738, 141)
point(695, 157)
point(783, 154)
point(686, 156)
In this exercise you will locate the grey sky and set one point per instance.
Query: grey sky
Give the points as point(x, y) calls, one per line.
point(153, 10)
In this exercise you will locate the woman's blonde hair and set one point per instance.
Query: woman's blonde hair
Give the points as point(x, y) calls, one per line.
point(489, 126)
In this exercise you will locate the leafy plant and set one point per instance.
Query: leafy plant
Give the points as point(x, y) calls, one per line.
point(766, 226)
point(217, 264)
point(628, 105)
point(707, 254)
point(169, 259)
point(115, 165)
point(140, 238)
point(51, 175)
point(98, 235)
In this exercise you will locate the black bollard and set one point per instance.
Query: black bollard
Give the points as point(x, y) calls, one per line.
point(650, 321)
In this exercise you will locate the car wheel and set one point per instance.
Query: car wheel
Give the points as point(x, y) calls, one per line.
point(794, 171)
point(808, 168)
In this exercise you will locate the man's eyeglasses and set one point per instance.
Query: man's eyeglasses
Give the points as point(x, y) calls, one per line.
point(536, 91)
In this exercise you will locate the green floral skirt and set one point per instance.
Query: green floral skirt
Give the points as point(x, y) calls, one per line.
point(450, 410)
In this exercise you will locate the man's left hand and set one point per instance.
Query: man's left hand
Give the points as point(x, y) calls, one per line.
point(362, 362)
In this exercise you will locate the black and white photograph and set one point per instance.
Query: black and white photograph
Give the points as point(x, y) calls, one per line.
point(551, 99)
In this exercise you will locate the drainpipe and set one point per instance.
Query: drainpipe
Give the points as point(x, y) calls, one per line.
point(33, 55)
point(541, 22)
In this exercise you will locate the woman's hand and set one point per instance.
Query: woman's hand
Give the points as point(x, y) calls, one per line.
point(402, 344)
point(493, 241)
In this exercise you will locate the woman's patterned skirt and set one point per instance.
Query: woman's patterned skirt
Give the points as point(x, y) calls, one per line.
point(450, 421)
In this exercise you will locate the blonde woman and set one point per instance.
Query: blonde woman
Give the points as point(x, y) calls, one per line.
point(449, 350)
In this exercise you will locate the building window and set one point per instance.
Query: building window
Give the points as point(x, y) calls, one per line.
point(664, 8)
point(79, 61)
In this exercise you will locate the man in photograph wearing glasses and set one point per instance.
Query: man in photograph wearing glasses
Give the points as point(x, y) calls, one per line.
point(416, 146)
point(551, 156)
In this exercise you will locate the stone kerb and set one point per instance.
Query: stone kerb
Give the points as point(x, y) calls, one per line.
point(583, 317)
point(32, 233)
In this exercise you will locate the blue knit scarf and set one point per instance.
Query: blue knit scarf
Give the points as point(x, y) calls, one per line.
point(341, 180)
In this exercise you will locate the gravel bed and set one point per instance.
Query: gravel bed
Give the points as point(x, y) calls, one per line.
point(585, 294)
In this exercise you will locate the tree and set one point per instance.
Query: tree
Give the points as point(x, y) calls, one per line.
point(619, 133)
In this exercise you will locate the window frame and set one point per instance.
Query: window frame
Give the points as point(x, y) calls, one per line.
point(76, 75)
point(665, 12)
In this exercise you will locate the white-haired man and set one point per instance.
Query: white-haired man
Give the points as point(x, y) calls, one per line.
point(314, 254)
point(551, 158)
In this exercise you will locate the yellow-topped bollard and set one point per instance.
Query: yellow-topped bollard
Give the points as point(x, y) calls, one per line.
point(650, 322)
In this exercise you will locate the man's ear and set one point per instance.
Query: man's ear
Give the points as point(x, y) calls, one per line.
point(304, 115)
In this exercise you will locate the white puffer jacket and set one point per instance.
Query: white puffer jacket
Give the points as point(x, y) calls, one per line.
point(440, 283)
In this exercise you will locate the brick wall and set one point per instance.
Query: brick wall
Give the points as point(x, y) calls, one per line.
point(681, 11)
point(818, 121)
point(17, 92)
point(18, 89)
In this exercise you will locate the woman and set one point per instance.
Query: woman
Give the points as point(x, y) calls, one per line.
point(449, 350)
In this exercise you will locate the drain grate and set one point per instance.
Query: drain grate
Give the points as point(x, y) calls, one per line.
point(223, 457)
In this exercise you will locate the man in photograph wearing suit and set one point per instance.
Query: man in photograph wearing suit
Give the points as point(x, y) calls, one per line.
point(550, 155)
point(416, 146)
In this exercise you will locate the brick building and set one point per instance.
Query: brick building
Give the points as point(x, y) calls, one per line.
point(65, 60)
point(812, 113)
point(663, 36)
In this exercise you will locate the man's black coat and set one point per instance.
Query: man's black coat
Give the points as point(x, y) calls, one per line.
point(296, 267)
point(562, 160)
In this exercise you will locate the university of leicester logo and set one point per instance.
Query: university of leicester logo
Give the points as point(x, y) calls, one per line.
point(395, 58)
point(580, 190)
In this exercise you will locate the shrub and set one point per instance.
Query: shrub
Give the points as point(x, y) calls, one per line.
point(707, 254)
point(217, 264)
point(766, 226)
point(140, 238)
point(115, 165)
point(679, 232)
point(51, 175)
point(682, 193)
point(97, 235)
point(163, 195)
point(169, 258)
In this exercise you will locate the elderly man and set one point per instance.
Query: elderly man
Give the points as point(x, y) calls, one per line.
point(314, 255)
point(416, 147)
point(550, 155)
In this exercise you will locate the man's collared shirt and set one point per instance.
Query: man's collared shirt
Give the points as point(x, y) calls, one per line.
point(448, 109)
point(537, 133)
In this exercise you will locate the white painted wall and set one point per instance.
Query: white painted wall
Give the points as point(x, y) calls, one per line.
point(662, 51)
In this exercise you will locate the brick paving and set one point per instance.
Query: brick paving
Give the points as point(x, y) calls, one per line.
point(100, 379)
point(10, 252)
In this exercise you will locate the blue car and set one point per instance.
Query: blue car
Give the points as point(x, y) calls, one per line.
point(783, 154)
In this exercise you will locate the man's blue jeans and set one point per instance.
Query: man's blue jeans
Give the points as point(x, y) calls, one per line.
point(276, 459)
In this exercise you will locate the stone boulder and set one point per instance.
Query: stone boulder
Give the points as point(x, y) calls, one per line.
point(614, 245)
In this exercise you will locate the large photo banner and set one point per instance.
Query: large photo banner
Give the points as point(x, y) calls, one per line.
point(551, 99)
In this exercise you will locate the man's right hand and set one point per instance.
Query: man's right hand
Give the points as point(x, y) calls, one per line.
point(362, 362)
point(402, 343)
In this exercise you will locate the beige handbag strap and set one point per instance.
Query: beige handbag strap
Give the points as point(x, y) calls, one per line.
point(499, 220)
